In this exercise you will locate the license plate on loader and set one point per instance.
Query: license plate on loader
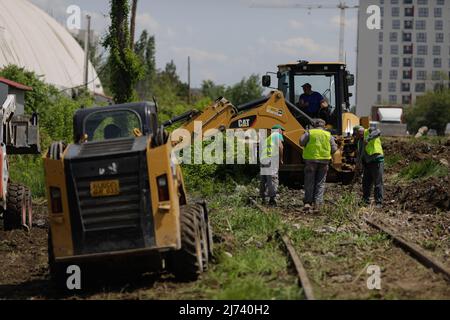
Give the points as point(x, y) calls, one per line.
point(105, 188)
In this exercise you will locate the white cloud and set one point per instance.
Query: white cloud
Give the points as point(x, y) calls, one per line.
point(302, 47)
point(146, 21)
point(199, 55)
point(295, 24)
point(350, 23)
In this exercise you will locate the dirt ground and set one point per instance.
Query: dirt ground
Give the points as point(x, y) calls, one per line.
point(336, 246)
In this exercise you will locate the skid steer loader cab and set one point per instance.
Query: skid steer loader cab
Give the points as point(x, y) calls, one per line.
point(115, 192)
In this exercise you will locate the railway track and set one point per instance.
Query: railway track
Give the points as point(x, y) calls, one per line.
point(413, 256)
point(303, 279)
point(413, 250)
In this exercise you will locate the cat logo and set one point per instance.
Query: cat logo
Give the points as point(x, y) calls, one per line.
point(244, 123)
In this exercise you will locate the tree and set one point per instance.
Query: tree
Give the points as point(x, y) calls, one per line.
point(133, 23)
point(431, 110)
point(211, 90)
point(245, 91)
point(145, 50)
point(125, 67)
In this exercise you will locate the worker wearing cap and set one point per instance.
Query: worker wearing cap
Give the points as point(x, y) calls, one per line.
point(371, 157)
point(319, 145)
point(311, 101)
point(271, 157)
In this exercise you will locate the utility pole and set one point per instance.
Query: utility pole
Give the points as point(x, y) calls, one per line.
point(87, 40)
point(342, 6)
point(189, 80)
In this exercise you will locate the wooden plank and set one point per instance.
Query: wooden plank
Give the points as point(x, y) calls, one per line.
point(418, 253)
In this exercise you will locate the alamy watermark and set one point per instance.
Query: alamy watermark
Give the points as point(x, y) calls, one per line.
point(232, 146)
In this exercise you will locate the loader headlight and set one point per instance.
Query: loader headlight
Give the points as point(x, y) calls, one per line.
point(163, 188)
point(56, 200)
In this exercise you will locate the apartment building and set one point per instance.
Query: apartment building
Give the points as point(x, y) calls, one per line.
point(409, 55)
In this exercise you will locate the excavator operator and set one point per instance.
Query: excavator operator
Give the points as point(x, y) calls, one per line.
point(312, 102)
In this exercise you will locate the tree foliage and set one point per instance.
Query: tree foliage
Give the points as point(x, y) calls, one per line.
point(125, 67)
point(431, 110)
point(145, 50)
point(248, 89)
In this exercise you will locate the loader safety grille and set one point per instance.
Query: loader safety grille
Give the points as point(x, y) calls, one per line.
point(106, 147)
point(116, 222)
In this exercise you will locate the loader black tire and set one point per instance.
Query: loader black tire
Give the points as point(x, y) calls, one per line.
point(187, 263)
point(15, 216)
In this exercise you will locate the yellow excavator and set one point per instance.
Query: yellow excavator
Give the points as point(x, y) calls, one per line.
point(281, 106)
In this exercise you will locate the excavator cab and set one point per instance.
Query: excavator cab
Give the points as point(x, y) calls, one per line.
point(329, 82)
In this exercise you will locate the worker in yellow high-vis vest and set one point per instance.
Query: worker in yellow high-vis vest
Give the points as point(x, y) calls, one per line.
point(371, 157)
point(271, 157)
point(319, 145)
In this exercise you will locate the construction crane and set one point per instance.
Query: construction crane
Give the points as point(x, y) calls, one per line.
point(342, 6)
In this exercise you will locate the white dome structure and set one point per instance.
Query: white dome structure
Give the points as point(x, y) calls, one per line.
point(31, 39)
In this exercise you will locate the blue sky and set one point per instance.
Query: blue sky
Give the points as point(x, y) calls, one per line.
point(228, 39)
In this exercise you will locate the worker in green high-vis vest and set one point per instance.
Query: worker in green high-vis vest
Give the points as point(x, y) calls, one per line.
point(371, 157)
point(319, 145)
point(271, 157)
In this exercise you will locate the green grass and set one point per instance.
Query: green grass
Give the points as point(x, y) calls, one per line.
point(424, 169)
point(392, 159)
point(28, 170)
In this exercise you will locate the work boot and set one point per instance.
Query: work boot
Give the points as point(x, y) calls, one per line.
point(307, 207)
point(272, 202)
point(317, 207)
point(379, 206)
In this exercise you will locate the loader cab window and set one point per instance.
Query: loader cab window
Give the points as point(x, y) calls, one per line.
point(322, 88)
point(100, 126)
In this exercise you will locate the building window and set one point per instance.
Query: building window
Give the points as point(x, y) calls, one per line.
point(407, 36)
point(421, 37)
point(395, 62)
point(380, 61)
point(394, 49)
point(393, 74)
point(407, 62)
point(438, 25)
point(422, 50)
point(407, 1)
point(421, 75)
point(394, 1)
point(408, 24)
point(380, 36)
point(406, 99)
point(393, 37)
point(436, 50)
point(407, 74)
point(438, 12)
point(379, 87)
point(396, 12)
point(436, 75)
point(392, 87)
point(380, 49)
point(393, 99)
point(419, 62)
point(380, 74)
point(439, 37)
point(422, 2)
point(440, 2)
point(395, 24)
point(420, 87)
point(408, 49)
point(437, 62)
point(421, 24)
point(409, 12)
point(423, 12)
